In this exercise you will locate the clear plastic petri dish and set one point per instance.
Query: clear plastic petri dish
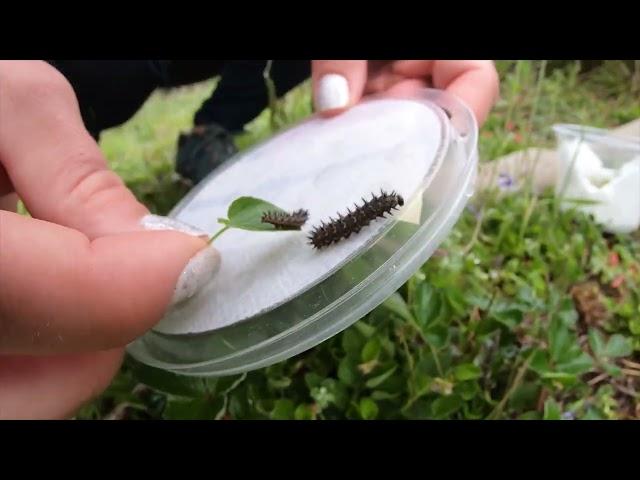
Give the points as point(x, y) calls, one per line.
point(614, 150)
point(275, 296)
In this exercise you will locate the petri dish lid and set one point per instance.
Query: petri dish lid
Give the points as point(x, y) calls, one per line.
point(275, 296)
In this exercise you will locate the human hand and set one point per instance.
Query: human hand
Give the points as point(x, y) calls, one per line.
point(340, 84)
point(90, 271)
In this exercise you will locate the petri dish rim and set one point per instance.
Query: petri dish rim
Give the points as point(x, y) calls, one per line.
point(411, 254)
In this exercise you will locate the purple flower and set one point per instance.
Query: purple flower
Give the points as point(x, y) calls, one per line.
point(568, 416)
point(505, 182)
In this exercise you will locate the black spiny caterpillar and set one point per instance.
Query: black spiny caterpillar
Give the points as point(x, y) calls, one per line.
point(354, 221)
point(286, 221)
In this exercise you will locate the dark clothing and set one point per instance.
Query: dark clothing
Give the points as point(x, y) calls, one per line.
point(242, 95)
point(110, 92)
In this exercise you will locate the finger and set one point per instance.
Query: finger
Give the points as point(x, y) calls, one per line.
point(413, 68)
point(44, 388)
point(475, 82)
point(50, 158)
point(61, 293)
point(382, 82)
point(407, 87)
point(57, 277)
point(388, 76)
point(337, 84)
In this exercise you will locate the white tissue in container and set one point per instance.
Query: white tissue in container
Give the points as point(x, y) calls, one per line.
point(598, 167)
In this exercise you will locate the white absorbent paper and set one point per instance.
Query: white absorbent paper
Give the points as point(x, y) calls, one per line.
point(323, 166)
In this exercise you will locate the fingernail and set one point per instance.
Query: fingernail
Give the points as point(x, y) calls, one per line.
point(202, 266)
point(157, 222)
point(332, 92)
point(200, 269)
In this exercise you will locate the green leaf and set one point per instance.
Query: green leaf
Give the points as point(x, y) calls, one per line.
point(396, 304)
point(348, 372)
point(577, 365)
point(552, 410)
point(525, 397)
point(377, 381)
point(352, 342)
point(168, 382)
point(382, 395)
point(612, 369)
point(467, 371)
point(456, 300)
point(567, 312)
point(597, 343)
point(618, 346)
point(371, 350)
point(467, 390)
point(531, 415)
point(246, 213)
point(283, 410)
point(437, 335)
point(539, 362)
point(509, 318)
point(365, 329)
point(427, 304)
point(279, 383)
point(425, 369)
point(444, 406)
point(368, 409)
point(580, 201)
point(560, 376)
point(193, 409)
point(304, 412)
point(420, 410)
point(312, 380)
point(263, 406)
point(592, 414)
point(634, 326)
point(559, 339)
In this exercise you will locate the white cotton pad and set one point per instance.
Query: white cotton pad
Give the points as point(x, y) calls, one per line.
point(602, 169)
point(323, 166)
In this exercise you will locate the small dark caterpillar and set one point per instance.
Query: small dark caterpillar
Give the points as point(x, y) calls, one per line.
point(345, 225)
point(286, 221)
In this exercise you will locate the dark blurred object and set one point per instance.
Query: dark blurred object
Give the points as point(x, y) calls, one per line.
point(241, 95)
point(110, 92)
point(202, 150)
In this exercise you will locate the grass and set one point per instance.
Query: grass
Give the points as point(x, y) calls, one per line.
point(524, 312)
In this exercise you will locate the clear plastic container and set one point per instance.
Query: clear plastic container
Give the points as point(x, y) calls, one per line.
point(357, 284)
point(599, 174)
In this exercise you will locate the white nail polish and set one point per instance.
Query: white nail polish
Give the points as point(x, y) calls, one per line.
point(332, 92)
point(200, 269)
point(157, 222)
